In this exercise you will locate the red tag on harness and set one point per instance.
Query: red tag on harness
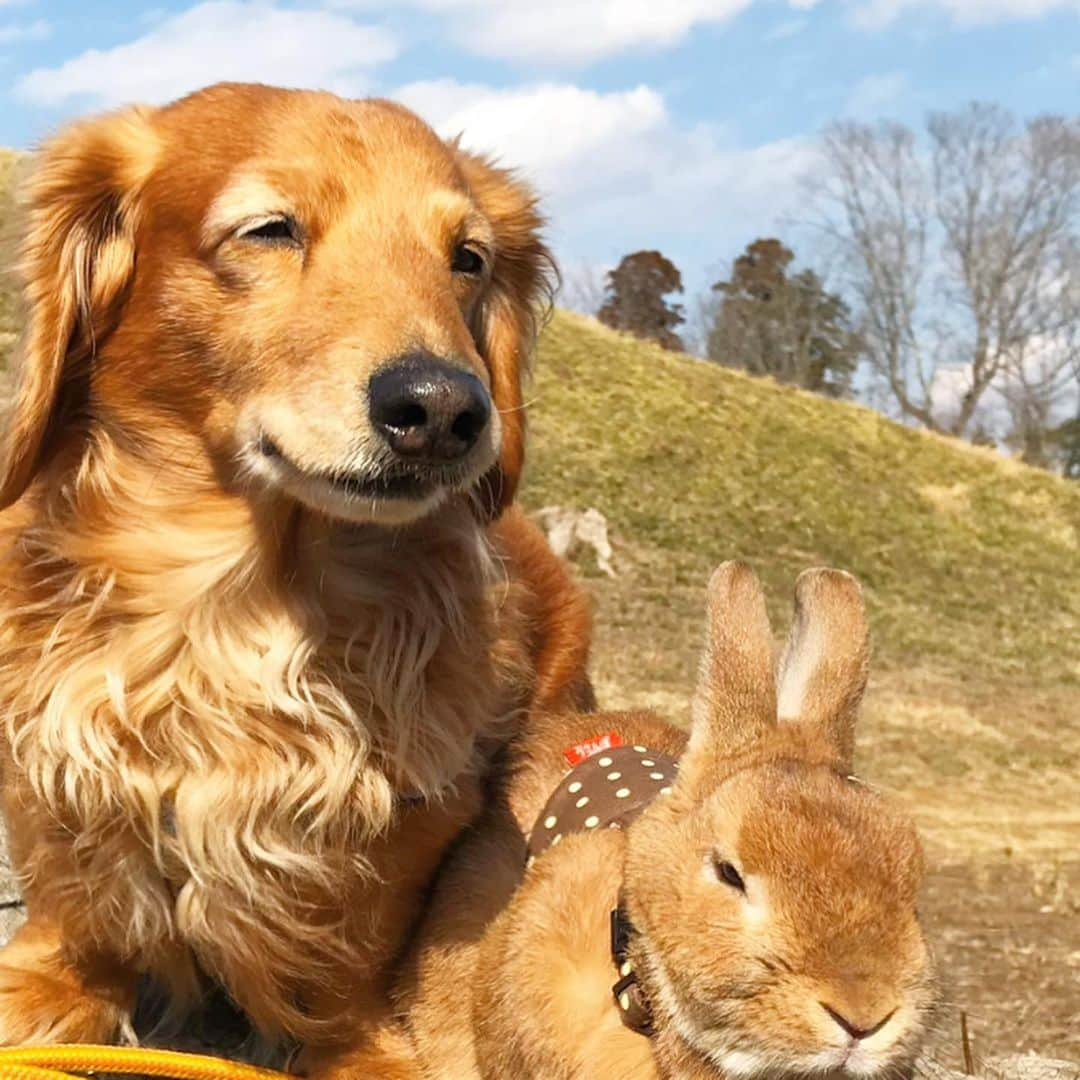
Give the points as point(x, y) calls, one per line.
point(577, 753)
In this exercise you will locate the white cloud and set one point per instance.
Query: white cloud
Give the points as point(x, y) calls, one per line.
point(786, 29)
point(617, 172)
point(35, 31)
point(1046, 371)
point(572, 31)
point(549, 130)
point(875, 94)
point(219, 39)
point(876, 13)
point(576, 31)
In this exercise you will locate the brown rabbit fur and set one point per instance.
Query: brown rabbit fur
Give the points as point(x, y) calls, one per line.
point(771, 895)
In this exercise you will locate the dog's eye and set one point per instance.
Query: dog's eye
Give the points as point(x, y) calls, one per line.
point(272, 231)
point(467, 260)
point(728, 874)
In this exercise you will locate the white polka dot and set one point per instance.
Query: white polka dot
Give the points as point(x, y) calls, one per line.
point(614, 775)
point(641, 749)
point(583, 801)
point(550, 822)
point(656, 776)
point(592, 822)
point(624, 1001)
point(604, 762)
point(575, 787)
point(647, 763)
point(665, 791)
point(555, 839)
point(622, 793)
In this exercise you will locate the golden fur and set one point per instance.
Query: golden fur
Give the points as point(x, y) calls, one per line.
point(512, 974)
point(243, 705)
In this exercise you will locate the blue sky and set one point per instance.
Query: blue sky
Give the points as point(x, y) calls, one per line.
point(679, 124)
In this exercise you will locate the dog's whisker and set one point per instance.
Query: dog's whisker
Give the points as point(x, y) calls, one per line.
point(518, 408)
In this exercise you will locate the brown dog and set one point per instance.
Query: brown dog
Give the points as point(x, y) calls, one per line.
point(254, 617)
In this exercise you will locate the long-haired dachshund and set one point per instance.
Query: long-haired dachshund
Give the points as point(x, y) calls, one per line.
point(256, 620)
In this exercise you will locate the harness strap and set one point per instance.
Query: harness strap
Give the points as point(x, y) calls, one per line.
point(629, 997)
point(607, 790)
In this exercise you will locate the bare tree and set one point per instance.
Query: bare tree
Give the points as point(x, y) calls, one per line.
point(1038, 392)
point(583, 288)
point(959, 252)
point(699, 322)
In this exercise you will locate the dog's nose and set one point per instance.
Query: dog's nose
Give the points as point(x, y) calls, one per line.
point(428, 410)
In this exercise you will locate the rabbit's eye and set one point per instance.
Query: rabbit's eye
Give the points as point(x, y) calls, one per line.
point(729, 875)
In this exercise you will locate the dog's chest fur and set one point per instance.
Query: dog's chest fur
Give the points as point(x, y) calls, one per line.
point(213, 746)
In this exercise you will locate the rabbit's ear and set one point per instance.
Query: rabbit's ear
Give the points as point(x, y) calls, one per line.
point(735, 702)
point(823, 671)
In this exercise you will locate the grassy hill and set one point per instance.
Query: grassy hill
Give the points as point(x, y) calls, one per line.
point(971, 563)
point(969, 559)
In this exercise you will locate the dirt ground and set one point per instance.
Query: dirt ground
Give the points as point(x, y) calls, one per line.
point(1007, 936)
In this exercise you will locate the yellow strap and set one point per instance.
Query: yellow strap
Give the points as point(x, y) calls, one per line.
point(54, 1062)
point(30, 1072)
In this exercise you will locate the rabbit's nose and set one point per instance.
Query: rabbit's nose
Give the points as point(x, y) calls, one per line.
point(854, 1030)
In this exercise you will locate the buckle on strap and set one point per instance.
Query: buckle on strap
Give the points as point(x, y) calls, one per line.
point(629, 998)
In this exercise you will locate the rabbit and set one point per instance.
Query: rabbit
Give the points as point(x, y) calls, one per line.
point(763, 900)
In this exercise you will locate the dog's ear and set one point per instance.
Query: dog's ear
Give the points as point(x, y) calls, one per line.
point(508, 315)
point(81, 205)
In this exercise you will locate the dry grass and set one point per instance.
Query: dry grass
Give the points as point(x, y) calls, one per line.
point(970, 561)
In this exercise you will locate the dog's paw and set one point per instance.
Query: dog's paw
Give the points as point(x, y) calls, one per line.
point(37, 1008)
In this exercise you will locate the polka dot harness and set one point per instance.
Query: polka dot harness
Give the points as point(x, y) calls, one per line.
point(607, 791)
